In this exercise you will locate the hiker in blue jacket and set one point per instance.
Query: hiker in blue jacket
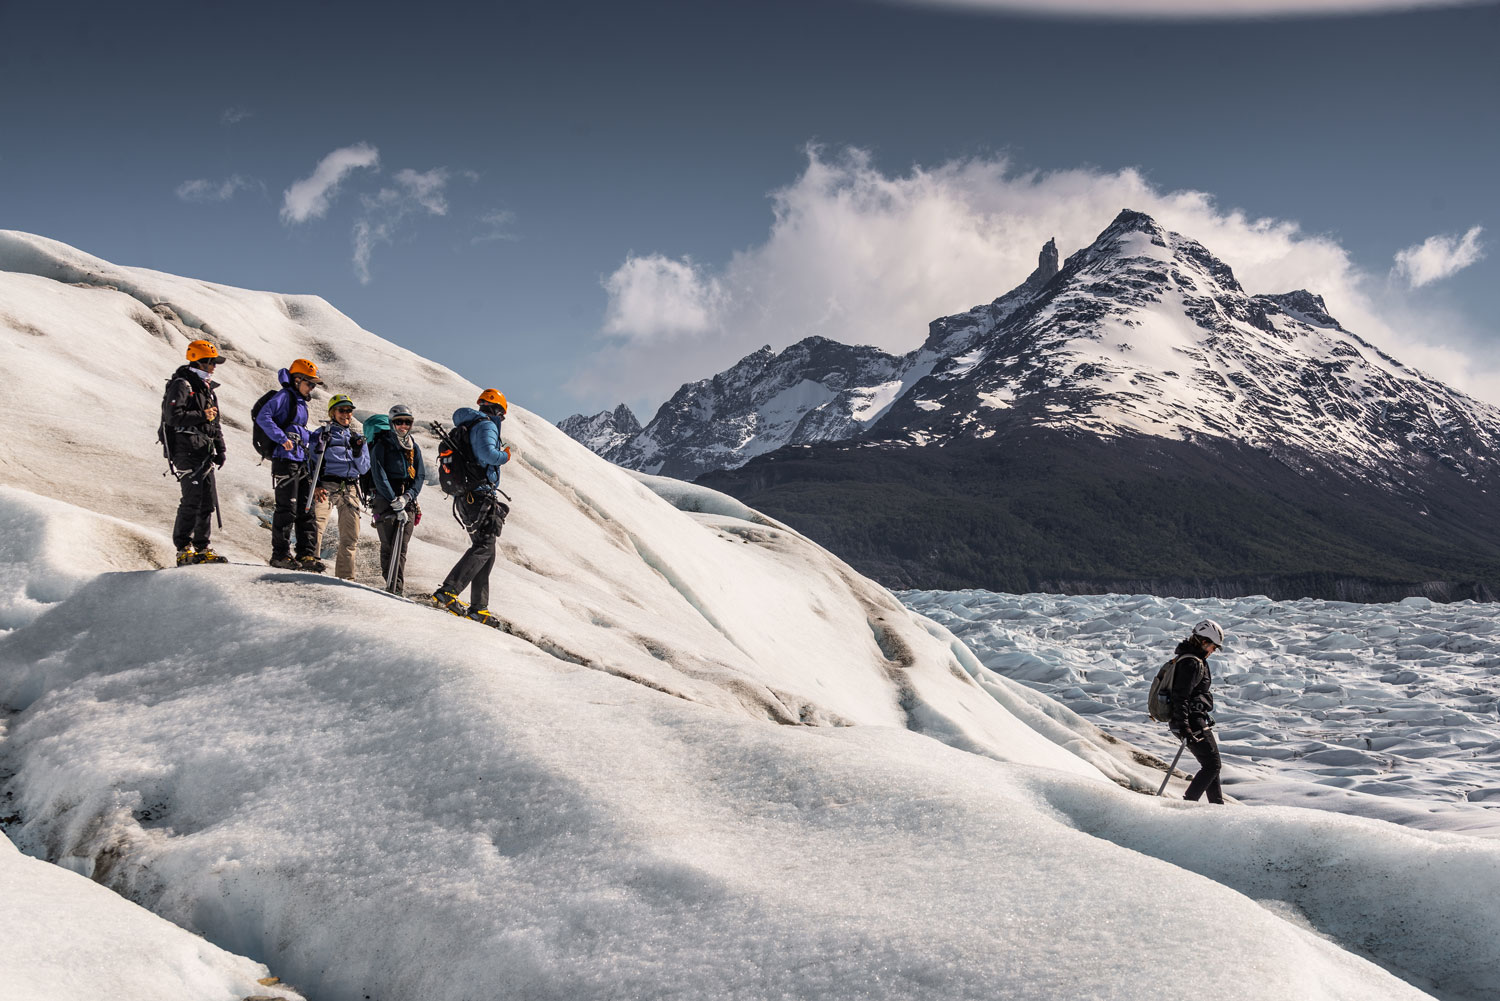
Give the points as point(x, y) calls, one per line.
point(478, 508)
point(397, 473)
point(345, 459)
point(284, 421)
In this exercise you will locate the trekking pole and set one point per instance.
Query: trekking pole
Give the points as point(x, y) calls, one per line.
point(213, 485)
point(1171, 767)
point(317, 469)
point(398, 552)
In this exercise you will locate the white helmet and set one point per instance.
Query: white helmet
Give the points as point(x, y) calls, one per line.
point(1211, 631)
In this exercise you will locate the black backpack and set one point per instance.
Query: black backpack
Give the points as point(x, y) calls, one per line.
point(458, 470)
point(1159, 700)
point(264, 446)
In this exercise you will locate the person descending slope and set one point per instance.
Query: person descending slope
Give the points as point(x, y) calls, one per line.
point(193, 441)
point(1192, 703)
point(396, 476)
point(472, 473)
point(344, 461)
point(282, 419)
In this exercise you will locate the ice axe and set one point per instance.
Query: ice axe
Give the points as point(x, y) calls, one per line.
point(1170, 767)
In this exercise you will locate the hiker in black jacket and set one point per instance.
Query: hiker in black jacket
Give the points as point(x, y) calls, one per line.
point(193, 439)
point(1192, 705)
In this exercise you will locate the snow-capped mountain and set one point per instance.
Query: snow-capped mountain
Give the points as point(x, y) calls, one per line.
point(603, 433)
point(1142, 332)
point(1137, 421)
point(816, 390)
point(1145, 332)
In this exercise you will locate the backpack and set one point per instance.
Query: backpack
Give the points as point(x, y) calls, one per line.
point(373, 426)
point(264, 446)
point(458, 470)
point(1159, 701)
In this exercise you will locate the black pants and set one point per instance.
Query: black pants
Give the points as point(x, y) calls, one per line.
point(195, 511)
point(1206, 750)
point(294, 488)
point(484, 517)
point(385, 527)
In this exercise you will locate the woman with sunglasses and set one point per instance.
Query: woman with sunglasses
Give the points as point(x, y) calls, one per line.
point(345, 459)
point(397, 470)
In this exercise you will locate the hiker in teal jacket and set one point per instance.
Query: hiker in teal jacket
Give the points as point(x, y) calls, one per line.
point(396, 473)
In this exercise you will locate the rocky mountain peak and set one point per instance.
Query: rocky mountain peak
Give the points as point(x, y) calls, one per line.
point(1047, 261)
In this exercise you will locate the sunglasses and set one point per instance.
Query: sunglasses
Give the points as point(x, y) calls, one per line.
point(401, 420)
point(343, 410)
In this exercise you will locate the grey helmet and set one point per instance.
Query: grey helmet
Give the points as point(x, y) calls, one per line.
point(1211, 631)
point(399, 410)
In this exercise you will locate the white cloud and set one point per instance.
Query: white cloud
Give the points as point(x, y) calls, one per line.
point(203, 190)
point(865, 257)
point(384, 212)
point(310, 197)
point(1438, 257)
point(655, 298)
point(1187, 9)
point(233, 116)
point(497, 225)
point(426, 189)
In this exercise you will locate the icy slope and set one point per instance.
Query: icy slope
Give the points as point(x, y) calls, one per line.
point(684, 600)
point(67, 939)
point(380, 811)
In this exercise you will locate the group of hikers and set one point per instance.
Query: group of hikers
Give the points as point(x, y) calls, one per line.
point(338, 466)
point(344, 467)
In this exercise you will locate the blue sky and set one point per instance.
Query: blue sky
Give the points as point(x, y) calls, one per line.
point(585, 203)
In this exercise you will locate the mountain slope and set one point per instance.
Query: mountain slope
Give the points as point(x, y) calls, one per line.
point(1138, 421)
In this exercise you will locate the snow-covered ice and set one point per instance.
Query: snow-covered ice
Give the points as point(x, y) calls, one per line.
point(708, 760)
point(1382, 710)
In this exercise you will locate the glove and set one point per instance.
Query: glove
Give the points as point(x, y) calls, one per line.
point(219, 460)
point(356, 444)
point(506, 450)
point(399, 504)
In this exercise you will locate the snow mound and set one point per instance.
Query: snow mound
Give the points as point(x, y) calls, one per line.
point(80, 942)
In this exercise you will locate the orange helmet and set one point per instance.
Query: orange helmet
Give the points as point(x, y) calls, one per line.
point(495, 397)
point(304, 368)
point(203, 351)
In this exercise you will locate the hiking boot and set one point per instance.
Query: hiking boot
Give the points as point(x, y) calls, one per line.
point(485, 616)
point(209, 556)
point(311, 564)
point(283, 563)
point(448, 602)
point(187, 557)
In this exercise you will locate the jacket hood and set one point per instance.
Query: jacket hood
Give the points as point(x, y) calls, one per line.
point(464, 415)
point(285, 377)
point(376, 424)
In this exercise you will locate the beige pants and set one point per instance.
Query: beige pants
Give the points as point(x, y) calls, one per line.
point(345, 497)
